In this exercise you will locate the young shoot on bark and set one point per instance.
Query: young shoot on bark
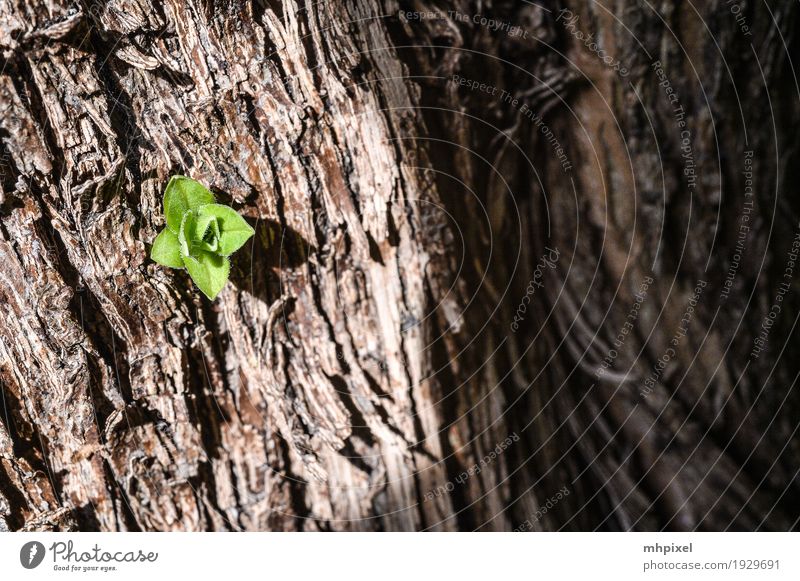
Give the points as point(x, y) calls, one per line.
point(200, 234)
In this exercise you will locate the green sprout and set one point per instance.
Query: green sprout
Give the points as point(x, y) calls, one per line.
point(200, 234)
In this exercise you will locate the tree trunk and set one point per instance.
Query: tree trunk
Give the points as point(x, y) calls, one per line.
point(515, 305)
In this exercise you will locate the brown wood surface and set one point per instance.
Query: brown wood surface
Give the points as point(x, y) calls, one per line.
point(362, 356)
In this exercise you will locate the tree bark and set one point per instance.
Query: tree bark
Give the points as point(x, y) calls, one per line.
point(371, 348)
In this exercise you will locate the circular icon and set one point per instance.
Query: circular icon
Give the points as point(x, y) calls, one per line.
point(31, 554)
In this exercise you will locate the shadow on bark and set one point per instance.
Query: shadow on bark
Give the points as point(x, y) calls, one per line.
point(273, 249)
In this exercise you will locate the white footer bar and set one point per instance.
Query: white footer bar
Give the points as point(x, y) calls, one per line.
point(389, 556)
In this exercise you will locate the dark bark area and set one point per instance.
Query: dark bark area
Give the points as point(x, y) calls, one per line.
point(366, 352)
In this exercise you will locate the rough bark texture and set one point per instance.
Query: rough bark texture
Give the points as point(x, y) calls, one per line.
point(365, 355)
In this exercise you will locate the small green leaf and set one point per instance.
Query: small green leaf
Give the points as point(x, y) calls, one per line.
point(183, 194)
point(186, 231)
point(211, 237)
point(206, 232)
point(233, 230)
point(198, 233)
point(208, 271)
point(167, 249)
